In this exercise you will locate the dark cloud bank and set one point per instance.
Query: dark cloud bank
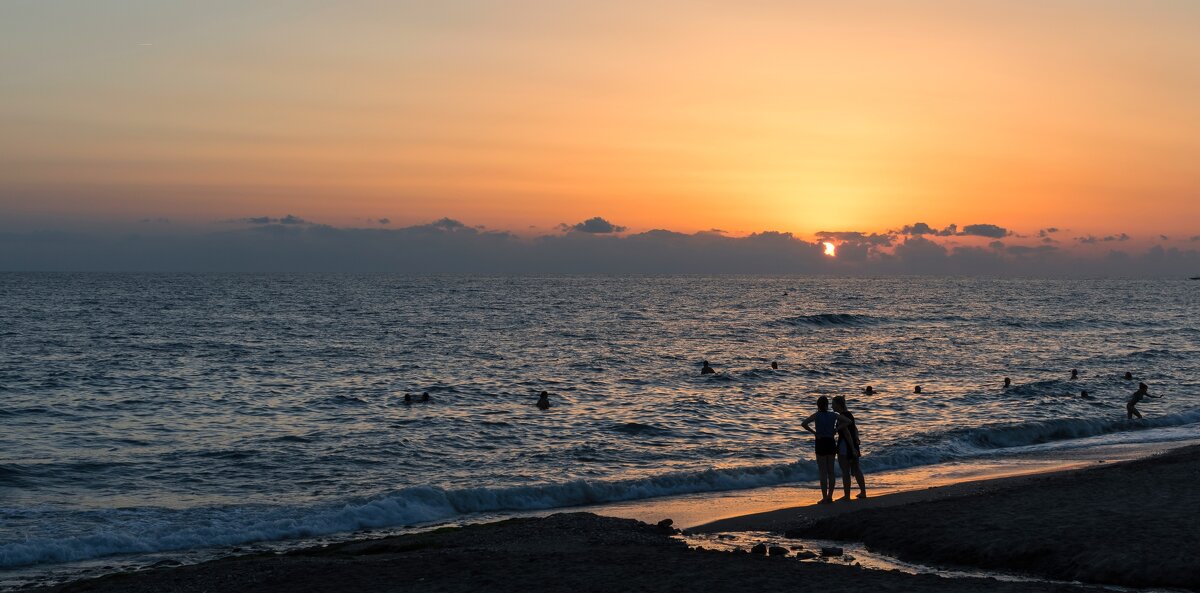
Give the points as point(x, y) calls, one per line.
point(594, 246)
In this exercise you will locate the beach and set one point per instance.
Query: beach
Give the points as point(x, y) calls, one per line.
point(1131, 523)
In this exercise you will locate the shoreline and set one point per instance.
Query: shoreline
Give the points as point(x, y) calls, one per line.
point(872, 521)
point(758, 509)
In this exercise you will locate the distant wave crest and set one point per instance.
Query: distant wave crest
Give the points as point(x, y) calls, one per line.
point(822, 319)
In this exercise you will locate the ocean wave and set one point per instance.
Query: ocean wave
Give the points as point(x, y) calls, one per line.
point(825, 319)
point(146, 530)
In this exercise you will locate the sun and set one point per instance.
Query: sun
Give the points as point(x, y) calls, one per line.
point(830, 249)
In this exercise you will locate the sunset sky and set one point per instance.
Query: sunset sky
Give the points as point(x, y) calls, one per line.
point(522, 115)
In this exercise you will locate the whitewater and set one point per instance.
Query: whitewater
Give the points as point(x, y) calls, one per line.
point(171, 413)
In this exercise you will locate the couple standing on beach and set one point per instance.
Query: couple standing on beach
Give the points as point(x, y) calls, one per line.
point(837, 436)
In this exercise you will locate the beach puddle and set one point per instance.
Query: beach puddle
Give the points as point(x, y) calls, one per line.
point(856, 554)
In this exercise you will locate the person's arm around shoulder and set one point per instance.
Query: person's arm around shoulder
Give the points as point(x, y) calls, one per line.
point(806, 424)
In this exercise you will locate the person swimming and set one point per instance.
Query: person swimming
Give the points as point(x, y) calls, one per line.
point(869, 390)
point(849, 450)
point(827, 423)
point(425, 396)
point(407, 398)
point(706, 370)
point(1074, 374)
point(543, 402)
point(917, 389)
point(774, 365)
point(1084, 394)
point(1007, 382)
point(1128, 376)
point(1131, 405)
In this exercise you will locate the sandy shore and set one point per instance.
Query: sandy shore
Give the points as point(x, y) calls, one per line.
point(576, 552)
point(1135, 523)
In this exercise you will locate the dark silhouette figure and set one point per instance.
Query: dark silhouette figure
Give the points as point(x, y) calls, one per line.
point(1074, 374)
point(848, 451)
point(407, 398)
point(917, 389)
point(425, 397)
point(1128, 376)
point(1131, 406)
point(1007, 382)
point(774, 365)
point(869, 390)
point(543, 402)
point(706, 370)
point(1084, 394)
point(827, 423)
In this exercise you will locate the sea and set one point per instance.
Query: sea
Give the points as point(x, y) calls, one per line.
point(156, 415)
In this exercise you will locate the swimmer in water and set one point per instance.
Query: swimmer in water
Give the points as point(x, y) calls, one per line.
point(774, 365)
point(706, 370)
point(917, 389)
point(1074, 374)
point(1007, 382)
point(407, 398)
point(1084, 394)
point(1131, 405)
point(543, 402)
point(869, 390)
point(1128, 376)
point(425, 396)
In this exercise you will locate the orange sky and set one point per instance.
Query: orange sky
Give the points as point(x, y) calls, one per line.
point(521, 115)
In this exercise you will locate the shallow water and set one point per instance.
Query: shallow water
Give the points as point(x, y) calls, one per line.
point(147, 413)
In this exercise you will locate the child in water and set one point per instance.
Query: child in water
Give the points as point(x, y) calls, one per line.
point(1131, 407)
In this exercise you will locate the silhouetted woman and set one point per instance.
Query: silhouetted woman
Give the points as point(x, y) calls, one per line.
point(848, 451)
point(1131, 406)
point(827, 423)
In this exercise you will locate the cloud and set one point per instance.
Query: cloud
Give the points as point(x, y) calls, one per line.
point(1047, 231)
point(289, 219)
point(597, 225)
point(1091, 239)
point(921, 228)
point(985, 230)
point(857, 237)
point(384, 221)
point(952, 230)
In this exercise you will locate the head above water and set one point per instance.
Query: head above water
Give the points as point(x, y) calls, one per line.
point(774, 364)
point(544, 395)
point(869, 390)
point(823, 403)
point(917, 389)
point(1128, 376)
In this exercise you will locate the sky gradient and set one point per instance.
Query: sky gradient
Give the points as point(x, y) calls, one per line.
point(530, 117)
